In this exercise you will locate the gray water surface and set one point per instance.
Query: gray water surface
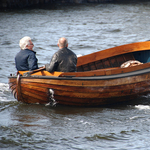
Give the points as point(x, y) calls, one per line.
point(89, 28)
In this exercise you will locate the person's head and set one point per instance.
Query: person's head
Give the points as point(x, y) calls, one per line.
point(62, 42)
point(26, 43)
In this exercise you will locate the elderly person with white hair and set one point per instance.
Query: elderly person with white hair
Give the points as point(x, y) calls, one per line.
point(64, 60)
point(26, 59)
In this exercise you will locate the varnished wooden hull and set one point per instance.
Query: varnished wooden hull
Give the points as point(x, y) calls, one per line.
point(82, 91)
point(87, 88)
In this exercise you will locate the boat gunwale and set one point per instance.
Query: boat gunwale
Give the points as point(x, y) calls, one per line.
point(105, 77)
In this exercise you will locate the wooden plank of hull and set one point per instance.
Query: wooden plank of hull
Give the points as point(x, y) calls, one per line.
point(88, 97)
point(92, 102)
point(32, 100)
point(90, 83)
point(103, 94)
point(32, 93)
point(107, 89)
point(34, 86)
point(81, 89)
point(35, 93)
point(13, 89)
point(136, 87)
point(12, 80)
point(13, 86)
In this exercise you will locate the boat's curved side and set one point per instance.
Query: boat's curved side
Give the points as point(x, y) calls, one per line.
point(114, 51)
point(81, 91)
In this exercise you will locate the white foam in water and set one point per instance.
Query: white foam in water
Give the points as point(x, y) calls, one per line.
point(79, 55)
point(141, 107)
point(146, 96)
point(4, 86)
point(5, 93)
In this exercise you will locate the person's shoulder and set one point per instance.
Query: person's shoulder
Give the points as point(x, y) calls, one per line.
point(20, 53)
point(60, 52)
point(71, 51)
point(30, 51)
point(57, 52)
point(55, 55)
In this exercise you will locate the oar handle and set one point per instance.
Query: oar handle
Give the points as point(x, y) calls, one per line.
point(34, 71)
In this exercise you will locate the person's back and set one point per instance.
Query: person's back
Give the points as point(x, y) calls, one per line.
point(26, 59)
point(64, 60)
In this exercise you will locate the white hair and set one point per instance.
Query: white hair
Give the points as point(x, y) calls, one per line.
point(24, 42)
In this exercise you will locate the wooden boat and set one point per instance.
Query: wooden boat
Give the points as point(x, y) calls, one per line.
point(99, 79)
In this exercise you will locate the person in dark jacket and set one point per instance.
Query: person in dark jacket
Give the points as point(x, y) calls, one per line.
point(26, 58)
point(64, 60)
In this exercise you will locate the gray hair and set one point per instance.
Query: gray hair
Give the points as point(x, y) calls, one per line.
point(24, 42)
point(63, 42)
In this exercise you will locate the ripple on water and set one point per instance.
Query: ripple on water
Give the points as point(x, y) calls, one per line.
point(108, 137)
point(12, 137)
point(5, 93)
point(6, 43)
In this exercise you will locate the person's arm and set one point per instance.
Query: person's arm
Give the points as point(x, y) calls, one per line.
point(32, 62)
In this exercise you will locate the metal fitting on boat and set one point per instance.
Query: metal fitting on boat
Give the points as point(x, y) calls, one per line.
point(51, 98)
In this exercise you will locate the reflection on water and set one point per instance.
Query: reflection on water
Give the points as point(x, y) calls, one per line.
point(89, 28)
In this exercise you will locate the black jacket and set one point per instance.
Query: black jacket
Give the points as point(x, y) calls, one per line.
point(64, 60)
point(26, 60)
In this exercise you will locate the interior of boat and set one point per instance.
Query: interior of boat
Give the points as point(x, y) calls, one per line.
point(115, 61)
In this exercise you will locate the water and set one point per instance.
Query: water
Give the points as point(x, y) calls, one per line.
point(89, 28)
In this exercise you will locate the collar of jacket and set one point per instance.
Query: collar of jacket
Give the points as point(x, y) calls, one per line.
point(30, 50)
point(63, 48)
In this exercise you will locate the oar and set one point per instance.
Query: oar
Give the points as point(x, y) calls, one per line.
point(34, 71)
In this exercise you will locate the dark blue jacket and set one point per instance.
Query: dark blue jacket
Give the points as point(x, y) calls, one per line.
point(26, 60)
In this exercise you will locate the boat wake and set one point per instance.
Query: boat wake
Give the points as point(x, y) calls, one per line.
point(142, 107)
point(5, 93)
point(145, 103)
